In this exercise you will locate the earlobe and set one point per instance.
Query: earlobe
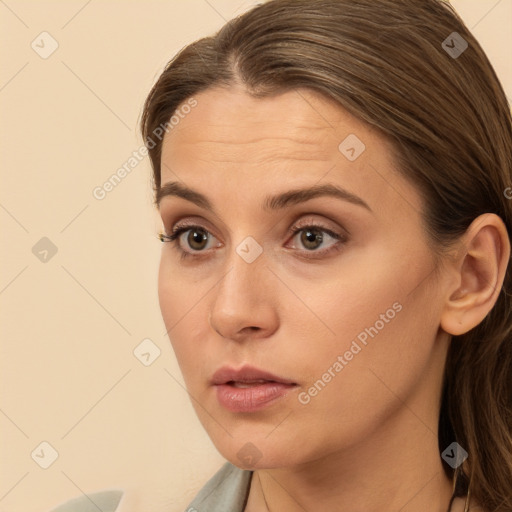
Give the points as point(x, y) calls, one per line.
point(480, 268)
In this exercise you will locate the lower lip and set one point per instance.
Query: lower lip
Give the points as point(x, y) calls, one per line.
point(253, 398)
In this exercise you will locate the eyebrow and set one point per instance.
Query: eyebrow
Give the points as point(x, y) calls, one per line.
point(274, 202)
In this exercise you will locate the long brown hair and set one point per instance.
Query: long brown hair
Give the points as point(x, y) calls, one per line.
point(397, 65)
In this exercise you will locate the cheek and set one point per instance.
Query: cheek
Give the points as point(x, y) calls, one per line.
point(178, 293)
point(373, 380)
point(361, 295)
point(378, 328)
point(175, 300)
point(183, 304)
point(167, 293)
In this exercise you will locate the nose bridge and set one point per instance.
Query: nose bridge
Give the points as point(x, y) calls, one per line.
point(242, 298)
point(245, 273)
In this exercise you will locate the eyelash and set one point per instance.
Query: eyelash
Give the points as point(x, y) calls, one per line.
point(178, 230)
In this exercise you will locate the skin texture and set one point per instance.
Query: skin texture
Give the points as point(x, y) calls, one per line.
point(368, 439)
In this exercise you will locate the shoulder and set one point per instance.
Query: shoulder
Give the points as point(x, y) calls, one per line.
point(106, 501)
point(226, 490)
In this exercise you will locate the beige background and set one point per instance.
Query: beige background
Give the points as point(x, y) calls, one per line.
point(70, 324)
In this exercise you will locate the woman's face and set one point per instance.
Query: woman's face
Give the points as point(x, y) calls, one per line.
point(346, 308)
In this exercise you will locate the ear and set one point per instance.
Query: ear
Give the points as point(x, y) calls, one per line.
point(478, 270)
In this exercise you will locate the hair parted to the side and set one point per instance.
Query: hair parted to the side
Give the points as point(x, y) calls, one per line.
point(449, 122)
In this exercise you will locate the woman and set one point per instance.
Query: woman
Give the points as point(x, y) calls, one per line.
point(334, 183)
point(381, 310)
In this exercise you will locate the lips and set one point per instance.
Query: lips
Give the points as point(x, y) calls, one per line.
point(245, 377)
point(248, 389)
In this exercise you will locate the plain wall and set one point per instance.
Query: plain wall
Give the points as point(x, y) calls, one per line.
point(70, 323)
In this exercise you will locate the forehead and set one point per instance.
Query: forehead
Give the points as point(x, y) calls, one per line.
point(232, 145)
point(230, 123)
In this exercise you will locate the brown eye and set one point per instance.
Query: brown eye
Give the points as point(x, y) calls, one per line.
point(314, 239)
point(311, 238)
point(196, 237)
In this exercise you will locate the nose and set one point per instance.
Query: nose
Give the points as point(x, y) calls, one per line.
point(245, 301)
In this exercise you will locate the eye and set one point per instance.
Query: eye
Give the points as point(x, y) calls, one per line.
point(196, 238)
point(311, 237)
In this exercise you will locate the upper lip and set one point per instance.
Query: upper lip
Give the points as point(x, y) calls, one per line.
point(245, 374)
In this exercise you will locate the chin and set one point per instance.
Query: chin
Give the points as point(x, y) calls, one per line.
point(257, 452)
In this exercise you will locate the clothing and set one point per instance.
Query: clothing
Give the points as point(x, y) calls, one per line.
point(226, 491)
point(106, 501)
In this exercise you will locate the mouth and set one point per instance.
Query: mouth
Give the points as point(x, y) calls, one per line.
point(249, 389)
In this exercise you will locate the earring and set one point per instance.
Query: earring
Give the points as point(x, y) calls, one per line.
point(466, 505)
point(468, 495)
